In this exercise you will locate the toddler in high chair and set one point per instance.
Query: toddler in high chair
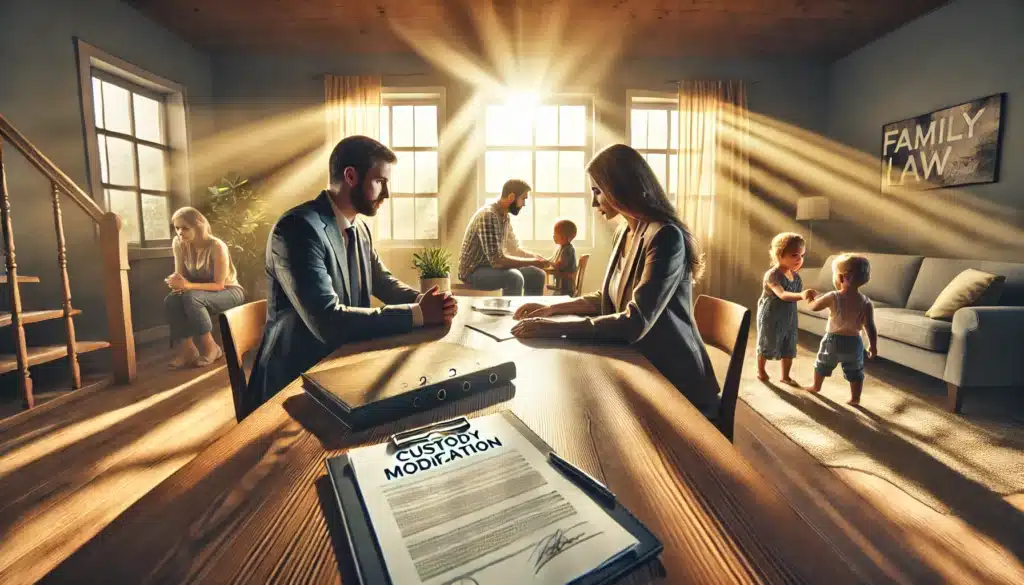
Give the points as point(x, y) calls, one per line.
point(776, 309)
point(563, 263)
point(849, 312)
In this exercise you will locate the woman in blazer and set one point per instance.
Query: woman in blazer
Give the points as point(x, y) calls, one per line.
point(646, 298)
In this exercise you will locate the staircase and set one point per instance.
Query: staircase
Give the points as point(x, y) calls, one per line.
point(114, 256)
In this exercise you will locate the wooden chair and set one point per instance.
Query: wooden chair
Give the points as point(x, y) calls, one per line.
point(462, 290)
point(725, 326)
point(577, 277)
point(241, 328)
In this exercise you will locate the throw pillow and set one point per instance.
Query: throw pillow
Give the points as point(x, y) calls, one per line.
point(963, 291)
point(990, 298)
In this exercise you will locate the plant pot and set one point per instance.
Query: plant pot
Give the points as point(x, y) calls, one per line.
point(442, 284)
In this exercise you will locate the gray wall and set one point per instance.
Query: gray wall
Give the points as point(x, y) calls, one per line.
point(965, 50)
point(39, 94)
point(264, 97)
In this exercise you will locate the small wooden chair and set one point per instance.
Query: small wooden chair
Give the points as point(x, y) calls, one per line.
point(460, 289)
point(241, 329)
point(725, 326)
point(577, 277)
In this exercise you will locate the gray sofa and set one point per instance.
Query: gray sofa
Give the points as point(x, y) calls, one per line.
point(982, 346)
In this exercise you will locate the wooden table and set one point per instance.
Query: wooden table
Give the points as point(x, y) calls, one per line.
point(255, 507)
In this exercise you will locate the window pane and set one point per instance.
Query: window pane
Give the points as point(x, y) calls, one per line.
point(657, 129)
point(547, 126)
point(402, 173)
point(426, 218)
point(546, 209)
point(152, 170)
point(673, 173)
point(97, 101)
point(148, 119)
point(674, 129)
point(658, 164)
point(572, 125)
point(404, 218)
point(522, 224)
point(156, 217)
point(385, 125)
point(402, 129)
point(121, 161)
point(426, 125)
point(575, 209)
point(638, 128)
point(547, 172)
point(426, 172)
point(509, 126)
point(124, 204)
point(102, 140)
point(116, 114)
point(384, 221)
point(570, 172)
point(502, 165)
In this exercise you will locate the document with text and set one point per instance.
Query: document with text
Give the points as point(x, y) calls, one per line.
point(482, 507)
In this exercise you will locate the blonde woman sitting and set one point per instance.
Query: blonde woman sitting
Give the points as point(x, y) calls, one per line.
point(204, 283)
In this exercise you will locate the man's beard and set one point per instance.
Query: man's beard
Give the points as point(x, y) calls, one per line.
point(361, 202)
point(515, 208)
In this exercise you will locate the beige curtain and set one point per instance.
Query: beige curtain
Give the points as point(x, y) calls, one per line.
point(352, 107)
point(714, 181)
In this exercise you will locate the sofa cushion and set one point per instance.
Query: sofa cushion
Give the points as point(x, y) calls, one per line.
point(936, 273)
point(965, 290)
point(913, 328)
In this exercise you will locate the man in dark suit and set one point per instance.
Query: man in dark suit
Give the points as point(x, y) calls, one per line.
point(323, 269)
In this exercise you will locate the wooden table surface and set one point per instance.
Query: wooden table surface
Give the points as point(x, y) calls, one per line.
point(256, 506)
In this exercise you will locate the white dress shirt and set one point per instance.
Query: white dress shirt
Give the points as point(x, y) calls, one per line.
point(344, 223)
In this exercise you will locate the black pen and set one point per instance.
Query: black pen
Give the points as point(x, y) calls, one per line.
point(581, 478)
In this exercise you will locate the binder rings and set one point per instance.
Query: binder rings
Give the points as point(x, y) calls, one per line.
point(366, 553)
point(385, 389)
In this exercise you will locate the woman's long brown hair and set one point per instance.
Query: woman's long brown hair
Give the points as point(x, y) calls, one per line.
point(624, 176)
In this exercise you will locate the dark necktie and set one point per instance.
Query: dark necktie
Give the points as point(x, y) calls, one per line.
point(354, 280)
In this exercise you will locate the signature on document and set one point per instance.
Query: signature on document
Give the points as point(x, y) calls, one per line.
point(557, 543)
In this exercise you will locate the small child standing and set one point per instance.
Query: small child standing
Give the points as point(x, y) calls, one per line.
point(849, 312)
point(563, 263)
point(776, 309)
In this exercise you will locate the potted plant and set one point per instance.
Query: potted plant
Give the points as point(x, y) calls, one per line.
point(435, 266)
point(238, 215)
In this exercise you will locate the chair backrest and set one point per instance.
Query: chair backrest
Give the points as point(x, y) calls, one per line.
point(241, 329)
point(726, 326)
point(580, 273)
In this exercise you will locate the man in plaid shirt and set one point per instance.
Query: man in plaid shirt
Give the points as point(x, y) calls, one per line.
point(491, 257)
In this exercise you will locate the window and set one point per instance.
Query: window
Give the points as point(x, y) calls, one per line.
point(409, 123)
point(654, 132)
point(545, 145)
point(134, 124)
point(133, 151)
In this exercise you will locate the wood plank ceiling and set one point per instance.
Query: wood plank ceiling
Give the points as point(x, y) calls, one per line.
point(815, 29)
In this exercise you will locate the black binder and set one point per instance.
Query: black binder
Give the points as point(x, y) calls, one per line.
point(369, 560)
point(384, 389)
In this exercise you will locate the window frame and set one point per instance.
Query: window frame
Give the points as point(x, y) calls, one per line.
point(656, 100)
point(414, 96)
point(172, 96)
point(590, 120)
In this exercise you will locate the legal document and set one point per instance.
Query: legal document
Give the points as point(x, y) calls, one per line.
point(482, 506)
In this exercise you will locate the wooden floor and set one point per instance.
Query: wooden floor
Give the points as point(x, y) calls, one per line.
point(72, 465)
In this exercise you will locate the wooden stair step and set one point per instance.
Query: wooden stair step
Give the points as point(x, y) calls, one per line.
point(35, 316)
point(21, 279)
point(47, 353)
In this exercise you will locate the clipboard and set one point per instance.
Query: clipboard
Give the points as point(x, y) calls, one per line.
point(369, 560)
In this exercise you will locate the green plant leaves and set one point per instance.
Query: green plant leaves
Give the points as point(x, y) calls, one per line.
point(433, 262)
